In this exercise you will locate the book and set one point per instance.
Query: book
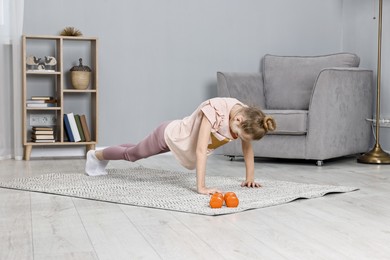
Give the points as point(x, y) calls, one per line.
point(40, 101)
point(34, 136)
point(68, 130)
point(73, 127)
point(79, 127)
point(42, 128)
point(29, 101)
point(42, 98)
point(44, 140)
point(84, 125)
point(43, 132)
point(42, 105)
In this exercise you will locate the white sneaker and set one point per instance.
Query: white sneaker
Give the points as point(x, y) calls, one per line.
point(95, 167)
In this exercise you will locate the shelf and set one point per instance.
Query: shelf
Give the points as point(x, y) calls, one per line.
point(61, 143)
point(43, 108)
point(54, 37)
point(56, 83)
point(79, 91)
point(42, 72)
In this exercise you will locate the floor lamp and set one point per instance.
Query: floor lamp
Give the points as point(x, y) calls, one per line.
point(377, 155)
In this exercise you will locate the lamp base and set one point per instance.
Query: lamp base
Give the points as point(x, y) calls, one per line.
point(375, 156)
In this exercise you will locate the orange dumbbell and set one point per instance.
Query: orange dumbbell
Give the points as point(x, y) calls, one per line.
point(231, 200)
point(216, 200)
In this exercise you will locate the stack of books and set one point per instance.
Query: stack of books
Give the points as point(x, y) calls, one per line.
point(76, 128)
point(41, 101)
point(42, 134)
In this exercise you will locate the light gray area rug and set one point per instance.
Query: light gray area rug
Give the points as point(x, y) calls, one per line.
point(169, 190)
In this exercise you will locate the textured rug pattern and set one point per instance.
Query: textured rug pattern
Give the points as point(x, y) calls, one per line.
point(170, 190)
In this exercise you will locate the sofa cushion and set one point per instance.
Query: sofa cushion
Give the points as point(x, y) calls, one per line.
point(289, 80)
point(289, 122)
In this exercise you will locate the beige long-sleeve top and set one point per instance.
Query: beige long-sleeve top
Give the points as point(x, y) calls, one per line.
point(181, 136)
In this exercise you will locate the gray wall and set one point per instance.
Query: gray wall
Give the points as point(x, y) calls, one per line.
point(360, 34)
point(158, 59)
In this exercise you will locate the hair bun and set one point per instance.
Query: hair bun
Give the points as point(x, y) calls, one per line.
point(269, 123)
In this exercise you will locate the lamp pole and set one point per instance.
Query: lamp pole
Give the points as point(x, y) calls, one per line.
point(377, 155)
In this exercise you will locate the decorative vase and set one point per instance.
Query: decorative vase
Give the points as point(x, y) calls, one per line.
point(80, 75)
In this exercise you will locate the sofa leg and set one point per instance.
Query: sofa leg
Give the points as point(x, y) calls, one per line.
point(231, 157)
point(320, 163)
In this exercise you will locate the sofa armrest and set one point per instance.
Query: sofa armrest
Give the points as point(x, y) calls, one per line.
point(246, 87)
point(340, 103)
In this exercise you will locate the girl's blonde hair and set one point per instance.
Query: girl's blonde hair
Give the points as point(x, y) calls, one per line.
point(256, 123)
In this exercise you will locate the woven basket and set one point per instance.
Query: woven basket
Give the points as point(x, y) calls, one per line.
point(80, 79)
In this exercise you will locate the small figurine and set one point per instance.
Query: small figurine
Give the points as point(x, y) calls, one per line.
point(32, 60)
point(50, 63)
point(32, 63)
point(50, 60)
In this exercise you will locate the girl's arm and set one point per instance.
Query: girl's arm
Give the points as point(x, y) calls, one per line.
point(201, 157)
point(247, 150)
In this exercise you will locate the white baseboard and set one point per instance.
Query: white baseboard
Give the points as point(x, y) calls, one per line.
point(55, 152)
point(62, 152)
point(40, 152)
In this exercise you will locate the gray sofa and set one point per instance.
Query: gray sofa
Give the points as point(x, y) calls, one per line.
point(320, 104)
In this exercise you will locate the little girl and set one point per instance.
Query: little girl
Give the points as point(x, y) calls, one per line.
point(214, 123)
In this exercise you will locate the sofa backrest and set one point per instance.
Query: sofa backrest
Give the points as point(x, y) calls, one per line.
point(289, 80)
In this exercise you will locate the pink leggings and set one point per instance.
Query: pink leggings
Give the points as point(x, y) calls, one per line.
point(153, 144)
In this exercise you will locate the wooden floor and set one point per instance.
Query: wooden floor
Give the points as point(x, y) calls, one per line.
point(354, 225)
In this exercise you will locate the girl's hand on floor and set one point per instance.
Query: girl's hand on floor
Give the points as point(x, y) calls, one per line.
point(208, 191)
point(250, 184)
